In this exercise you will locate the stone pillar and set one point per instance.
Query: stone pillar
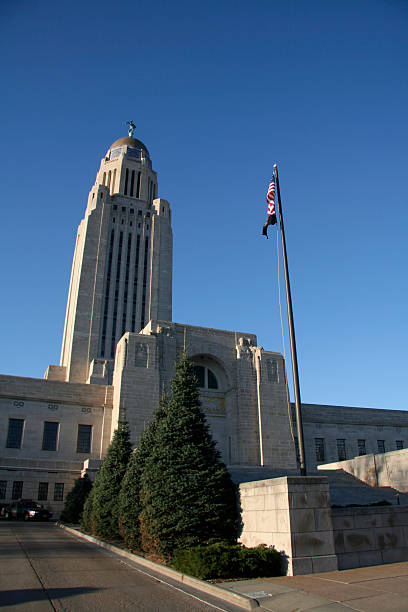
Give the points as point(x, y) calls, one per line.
point(292, 514)
point(136, 382)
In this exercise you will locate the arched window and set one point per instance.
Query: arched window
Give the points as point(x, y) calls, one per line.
point(206, 377)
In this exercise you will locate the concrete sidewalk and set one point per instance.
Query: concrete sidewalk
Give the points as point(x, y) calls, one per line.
point(381, 588)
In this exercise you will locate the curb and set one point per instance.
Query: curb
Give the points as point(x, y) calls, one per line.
point(237, 599)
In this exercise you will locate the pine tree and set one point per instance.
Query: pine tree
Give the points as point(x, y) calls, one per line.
point(186, 493)
point(101, 512)
point(129, 497)
point(86, 518)
point(75, 500)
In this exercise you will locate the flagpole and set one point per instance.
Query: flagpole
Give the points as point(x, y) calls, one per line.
point(296, 387)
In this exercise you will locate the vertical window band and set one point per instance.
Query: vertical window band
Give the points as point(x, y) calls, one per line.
point(142, 321)
point(135, 279)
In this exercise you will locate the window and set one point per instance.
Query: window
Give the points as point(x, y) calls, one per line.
point(319, 445)
point(361, 444)
point(50, 436)
point(341, 449)
point(381, 446)
point(15, 433)
point(59, 491)
point(206, 377)
point(139, 183)
point(295, 438)
point(42, 491)
point(3, 489)
point(134, 153)
point(115, 152)
point(399, 444)
point(17, 489)
point(84, 438)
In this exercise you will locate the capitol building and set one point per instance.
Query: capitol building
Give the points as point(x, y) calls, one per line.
point(118, 352)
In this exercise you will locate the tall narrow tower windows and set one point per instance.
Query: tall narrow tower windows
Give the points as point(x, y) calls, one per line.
point(142, 321)
point(113, 181)
point(134, 299)
point(107, 291)
point(126, 181)
point(132, 184)
point(125, 294)
point(109, 179)
point(104, 178)
point(139, 178)
point(115, 307)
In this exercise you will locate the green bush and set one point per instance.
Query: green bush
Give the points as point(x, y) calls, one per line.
point(224, 560)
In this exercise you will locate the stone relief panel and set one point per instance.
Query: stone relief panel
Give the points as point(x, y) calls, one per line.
point(213, 405)
point(141, 355)
point(272, 370)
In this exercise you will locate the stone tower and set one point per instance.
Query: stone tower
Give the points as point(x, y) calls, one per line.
point(122, 268)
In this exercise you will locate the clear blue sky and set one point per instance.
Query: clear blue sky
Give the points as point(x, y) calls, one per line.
point(219, 91)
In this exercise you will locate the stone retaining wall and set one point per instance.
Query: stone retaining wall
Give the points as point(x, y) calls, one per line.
point(377, 470)
point(370, 536)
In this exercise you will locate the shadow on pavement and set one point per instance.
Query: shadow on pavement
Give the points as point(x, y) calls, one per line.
point(21, 596)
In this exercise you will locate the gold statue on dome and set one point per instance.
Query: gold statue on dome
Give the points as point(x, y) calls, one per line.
point(131, 129)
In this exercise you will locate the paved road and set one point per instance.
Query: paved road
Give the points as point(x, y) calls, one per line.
point(44, 569)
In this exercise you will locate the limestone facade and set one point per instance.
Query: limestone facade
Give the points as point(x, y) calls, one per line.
point(337, 433)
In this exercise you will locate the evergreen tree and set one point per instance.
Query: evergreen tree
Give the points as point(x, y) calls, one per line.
point(86, 518)
point(186, 493)
point(101, 512)
point(129, 498)
point(75, 500)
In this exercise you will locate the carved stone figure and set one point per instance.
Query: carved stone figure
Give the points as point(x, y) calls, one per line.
point(131, 129)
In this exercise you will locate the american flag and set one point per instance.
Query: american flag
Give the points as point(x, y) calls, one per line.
point(270, 198)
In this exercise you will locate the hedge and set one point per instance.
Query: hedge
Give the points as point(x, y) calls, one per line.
point(224, 560)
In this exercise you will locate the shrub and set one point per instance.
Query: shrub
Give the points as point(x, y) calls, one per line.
point(225, 560)
point(75, 500)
